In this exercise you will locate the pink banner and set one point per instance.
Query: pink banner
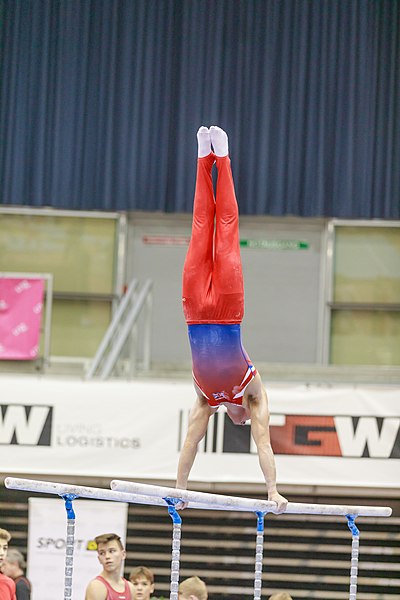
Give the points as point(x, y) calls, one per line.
point(21, 307)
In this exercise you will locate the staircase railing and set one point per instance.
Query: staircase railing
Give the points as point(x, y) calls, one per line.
point(124, 327)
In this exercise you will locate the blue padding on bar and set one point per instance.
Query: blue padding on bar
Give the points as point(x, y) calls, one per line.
point(352, 525)
point(68, 498)
point(260, 521)
point(173, 513)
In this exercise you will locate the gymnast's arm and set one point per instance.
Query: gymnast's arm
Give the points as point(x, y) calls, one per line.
point(96, 590)
point(198, 422)
point(257, 399)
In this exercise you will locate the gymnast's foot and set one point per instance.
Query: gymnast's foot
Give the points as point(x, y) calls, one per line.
point(204, 142)
point(219, 140)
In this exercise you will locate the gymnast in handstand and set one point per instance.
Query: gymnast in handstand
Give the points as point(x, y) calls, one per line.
point(213, 305)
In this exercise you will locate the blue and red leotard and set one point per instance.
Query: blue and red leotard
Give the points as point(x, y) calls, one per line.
point(213, 292)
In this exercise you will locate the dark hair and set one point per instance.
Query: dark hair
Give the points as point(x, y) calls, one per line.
point(104, 538)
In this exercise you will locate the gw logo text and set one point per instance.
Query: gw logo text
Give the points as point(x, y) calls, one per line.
point(25, 425)
point(307, 435)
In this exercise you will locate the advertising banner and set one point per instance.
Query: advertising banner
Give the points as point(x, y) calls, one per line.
point(21, 304)
point(47, 540)
point(346, 436)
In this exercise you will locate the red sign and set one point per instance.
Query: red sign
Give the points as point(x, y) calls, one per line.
point(166, 240)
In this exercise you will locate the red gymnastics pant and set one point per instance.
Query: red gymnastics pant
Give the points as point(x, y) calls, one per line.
point(213, 290)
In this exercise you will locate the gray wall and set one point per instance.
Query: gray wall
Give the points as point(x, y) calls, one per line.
point(282, 286)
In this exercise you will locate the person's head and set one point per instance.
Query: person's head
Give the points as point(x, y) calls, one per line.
point(14, 564)
point(281, 596)
point(192, 588)
point(110, 552)
point(5, 537)
point(143, 583)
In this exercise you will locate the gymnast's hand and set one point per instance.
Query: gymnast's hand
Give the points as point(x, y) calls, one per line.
point(181, 505)
point(281, 501)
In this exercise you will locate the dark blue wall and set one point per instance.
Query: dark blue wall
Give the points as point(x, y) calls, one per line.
point(101, 101)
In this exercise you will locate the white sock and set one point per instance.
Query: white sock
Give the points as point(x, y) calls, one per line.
point(204, 142)
point(219, 140)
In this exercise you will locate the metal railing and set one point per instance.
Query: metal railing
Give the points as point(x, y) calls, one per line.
point(123, 330)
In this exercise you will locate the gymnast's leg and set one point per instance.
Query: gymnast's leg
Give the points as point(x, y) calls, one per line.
point(198, 267)
point(228, 276)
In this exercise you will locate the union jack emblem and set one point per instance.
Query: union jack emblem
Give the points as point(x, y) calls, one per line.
point(221, 396)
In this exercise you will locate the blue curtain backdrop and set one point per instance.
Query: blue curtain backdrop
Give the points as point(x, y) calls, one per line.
point(101, 101)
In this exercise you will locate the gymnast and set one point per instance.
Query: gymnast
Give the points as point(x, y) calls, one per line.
point(110, 585)
point(213, 305)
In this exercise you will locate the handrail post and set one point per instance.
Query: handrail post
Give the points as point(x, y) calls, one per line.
point(133, 351)
point(147, 332)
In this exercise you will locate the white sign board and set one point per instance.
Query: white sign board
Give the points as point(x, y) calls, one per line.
point(47, 540)
point(336, 436)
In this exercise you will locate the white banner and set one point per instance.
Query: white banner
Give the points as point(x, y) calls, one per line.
point(47, 539)
point(321, 436)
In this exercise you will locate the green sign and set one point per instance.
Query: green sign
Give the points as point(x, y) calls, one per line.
point(275, 244)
